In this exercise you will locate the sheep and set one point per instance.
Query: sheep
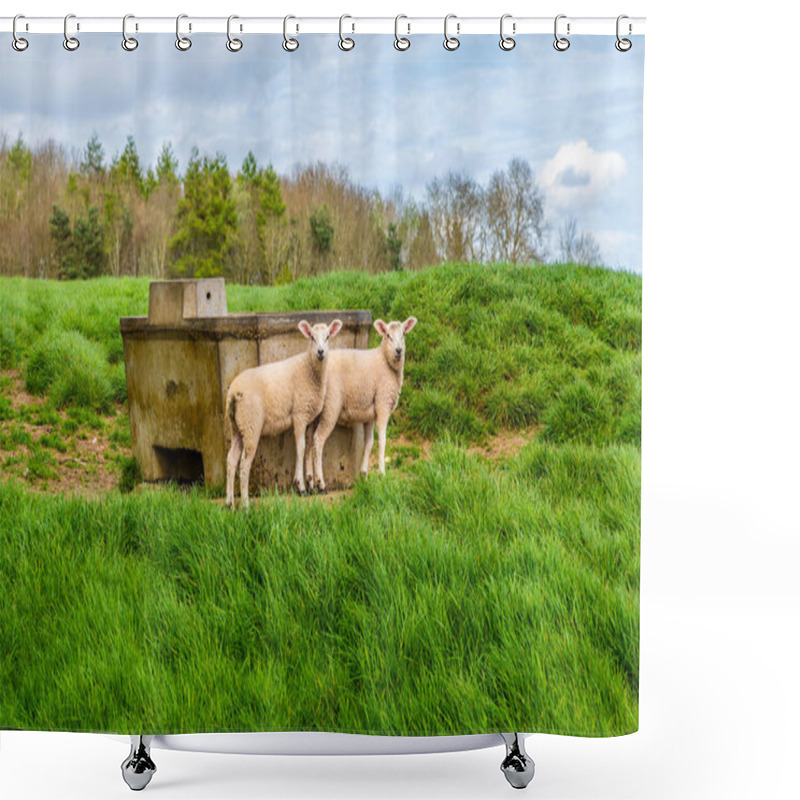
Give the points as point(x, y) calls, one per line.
point(270, 399)
point(363, 388)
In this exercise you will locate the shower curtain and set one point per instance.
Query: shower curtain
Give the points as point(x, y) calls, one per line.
point(489, 580)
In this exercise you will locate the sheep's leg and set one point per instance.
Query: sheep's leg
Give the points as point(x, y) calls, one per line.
point(369, 430)
point(300, 451)
point(309, 456)
point(383, 421)
point(324, 429)
point(234, 457)
point(250, 441)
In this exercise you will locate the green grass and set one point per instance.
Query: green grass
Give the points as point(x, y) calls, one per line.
point(465, 598)
point(497, 347)
point(456, 595)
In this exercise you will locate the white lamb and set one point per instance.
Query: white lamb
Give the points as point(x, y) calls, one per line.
point(272, 398)
point(363, 388)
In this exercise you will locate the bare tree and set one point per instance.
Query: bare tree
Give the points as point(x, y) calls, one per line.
point(455, 209)
point(515, 215)
point(578, 247)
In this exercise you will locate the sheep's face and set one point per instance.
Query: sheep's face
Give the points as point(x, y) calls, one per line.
point(319, 337)
point(394, 338)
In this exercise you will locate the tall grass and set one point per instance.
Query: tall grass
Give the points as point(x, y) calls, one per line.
point(466, 598)
point(496, 347)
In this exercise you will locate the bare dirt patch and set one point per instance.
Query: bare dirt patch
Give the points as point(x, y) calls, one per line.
point(43, 449)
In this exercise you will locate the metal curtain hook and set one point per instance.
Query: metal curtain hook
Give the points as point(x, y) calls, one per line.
point(451, 42)
point(128, 42)
point(623, 45)
point(70, 42)
point(289, 44)
point(233, 44)
point(181, 42)
point(345, 42)
point(507, 42)
point(18, 43)
point(400, 42)
point(561, 43)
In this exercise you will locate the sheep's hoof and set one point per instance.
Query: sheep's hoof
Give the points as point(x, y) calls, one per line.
point(320, 487)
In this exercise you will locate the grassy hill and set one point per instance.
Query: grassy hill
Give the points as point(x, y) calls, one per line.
point(460, 594)
point(497, 347)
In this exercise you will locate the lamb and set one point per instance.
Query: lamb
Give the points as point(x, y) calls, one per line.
point(270, 399)
point(363, 388)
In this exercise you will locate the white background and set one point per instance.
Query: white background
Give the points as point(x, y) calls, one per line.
point(720, 550)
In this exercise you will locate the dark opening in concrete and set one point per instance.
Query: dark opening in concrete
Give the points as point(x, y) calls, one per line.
point(178, 464)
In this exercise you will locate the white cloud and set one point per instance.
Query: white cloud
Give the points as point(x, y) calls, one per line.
point(577, 174)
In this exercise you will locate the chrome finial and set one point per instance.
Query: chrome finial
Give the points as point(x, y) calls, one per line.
point(517, 766)
point(138, 768)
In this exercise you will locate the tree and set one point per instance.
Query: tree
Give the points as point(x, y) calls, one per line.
point(92, 165)
point(167, 165)
point(126, 169)
point(394, 247)
point(206, 219)
point(79, 250)
point(61, 234)
point(88, 238)
point(514, 215)
point(455, 207)
point(321, 229)
point(578, 247)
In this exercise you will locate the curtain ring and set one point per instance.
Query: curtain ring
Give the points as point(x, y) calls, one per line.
point(623, 45)
point(128, 42)
point(233, 44)
point(181, 42)
point(400, 42)
point(289, 44)
point(451, 42)
point(507, 42)
point(345, 42)
point(561, 43)
point(18, 43)
point(70, 42)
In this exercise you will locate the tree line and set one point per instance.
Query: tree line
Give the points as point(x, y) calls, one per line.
point(85, 216)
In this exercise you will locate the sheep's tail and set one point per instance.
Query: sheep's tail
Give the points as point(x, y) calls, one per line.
point(233, 398)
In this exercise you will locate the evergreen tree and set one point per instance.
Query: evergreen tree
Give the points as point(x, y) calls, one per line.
point(79, 250)
point(61, 234)
point(167, 165)
point(206, 219)
point(394, 246)
point(266, 186)
point(20, 160)
point(126, 168)
point(92, 165)
point(321, 229)
point(88, 240)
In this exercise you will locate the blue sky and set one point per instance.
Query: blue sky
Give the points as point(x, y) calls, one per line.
point(392, 118)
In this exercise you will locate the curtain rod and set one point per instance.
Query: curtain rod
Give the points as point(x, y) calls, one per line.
point(462, 26)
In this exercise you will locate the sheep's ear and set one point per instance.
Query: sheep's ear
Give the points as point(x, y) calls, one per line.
point(409, 324)
point(305, 329)
point(335, 327)
point(380, 326)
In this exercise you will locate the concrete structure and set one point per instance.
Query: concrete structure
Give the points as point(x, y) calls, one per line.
point(180, 361)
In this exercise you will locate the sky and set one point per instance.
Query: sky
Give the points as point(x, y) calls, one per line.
point(394, 119)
